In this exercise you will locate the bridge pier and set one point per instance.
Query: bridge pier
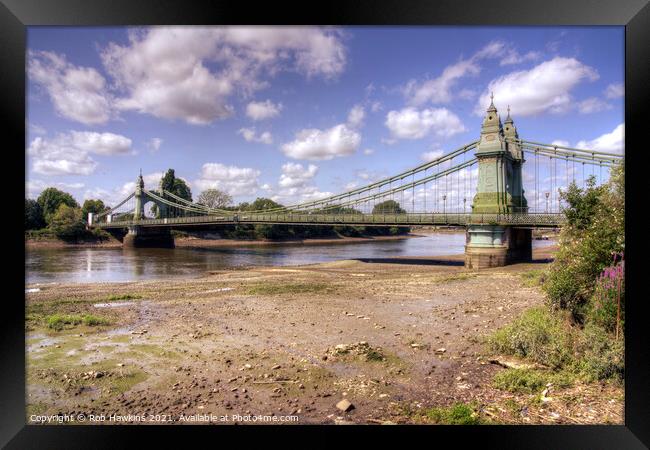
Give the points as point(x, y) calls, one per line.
point(148, 237)
point(496, 246)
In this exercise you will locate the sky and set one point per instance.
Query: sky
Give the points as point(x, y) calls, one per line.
point(301, 113)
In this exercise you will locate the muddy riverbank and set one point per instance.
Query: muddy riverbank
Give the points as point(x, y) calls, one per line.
point(195, 242)
point(393, 338)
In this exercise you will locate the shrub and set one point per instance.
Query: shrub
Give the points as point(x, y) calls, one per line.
point(538, 335)
point(595, 229)
point(601, 356)
point(608, 298)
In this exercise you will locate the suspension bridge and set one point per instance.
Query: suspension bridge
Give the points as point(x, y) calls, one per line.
point(505, 201)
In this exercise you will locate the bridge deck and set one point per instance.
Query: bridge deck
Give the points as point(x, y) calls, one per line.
point(519, 219)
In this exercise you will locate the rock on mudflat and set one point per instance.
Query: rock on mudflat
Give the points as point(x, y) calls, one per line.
point(345, 406)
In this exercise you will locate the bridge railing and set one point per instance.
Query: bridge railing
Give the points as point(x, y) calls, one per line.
point(532, 219)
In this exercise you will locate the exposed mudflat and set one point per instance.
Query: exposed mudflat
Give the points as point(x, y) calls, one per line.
point(390, 337)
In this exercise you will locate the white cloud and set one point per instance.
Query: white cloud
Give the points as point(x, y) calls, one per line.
point(250, 135)
point(561, 143)
point(512, 56)
point(101, 143)
point(263, 110)
point(368, 151)
point(356, 116)
point(430, 156)
point(69, 154)
point(439, 89)
point(615, 91)
point(232, 179)
point(376, 106)
point(77, 93)
point(154, 144)
point(297, 195)
point(315, 144)
point(410, 123)
point(544, 88)
point(295, 175)
point(592, 105)
point(33, 188)
point(189, 73)
point(609, 142)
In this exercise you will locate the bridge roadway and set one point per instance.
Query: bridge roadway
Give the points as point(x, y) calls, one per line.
point(535, 220)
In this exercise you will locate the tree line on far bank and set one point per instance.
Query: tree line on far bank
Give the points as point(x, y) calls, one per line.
point(56, 213)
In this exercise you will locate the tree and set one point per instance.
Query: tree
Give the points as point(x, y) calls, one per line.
point(388, 207)
point(67, 222)
point(50, 200)
point(262, 203)
point(92, 206)
point(175, 185)
point(214, 198)
point(34, 219)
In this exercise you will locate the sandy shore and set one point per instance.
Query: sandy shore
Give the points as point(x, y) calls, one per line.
point(393, 338)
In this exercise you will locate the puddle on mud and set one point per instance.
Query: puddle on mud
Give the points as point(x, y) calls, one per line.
point(112, 304)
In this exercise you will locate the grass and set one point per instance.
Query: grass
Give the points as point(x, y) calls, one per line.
point(290, 288)
point(533, 277)
point(530, 380)
point(458, 414)
point(112, 298)
point(538, 335)
point(60, 321)
point(459, 277)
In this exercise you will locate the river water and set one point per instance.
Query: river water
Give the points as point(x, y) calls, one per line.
point(88, 265)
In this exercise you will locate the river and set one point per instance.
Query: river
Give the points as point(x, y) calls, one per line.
point(97, 265)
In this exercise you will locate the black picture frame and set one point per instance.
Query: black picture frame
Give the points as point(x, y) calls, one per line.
point(16, 15)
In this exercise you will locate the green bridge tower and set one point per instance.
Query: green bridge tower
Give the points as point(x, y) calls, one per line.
point(139, 236)
point(499, 191)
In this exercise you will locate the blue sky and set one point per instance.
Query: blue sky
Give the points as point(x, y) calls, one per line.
point(300, 113)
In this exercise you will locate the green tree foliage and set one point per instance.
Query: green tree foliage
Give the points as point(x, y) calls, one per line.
point(50, 200)
point(262, 203)
point(67, 223)
point(214, 198)
point(34, 219)
point(595, 230)
point(176, 186)
point(92, 206)
point(388, 207)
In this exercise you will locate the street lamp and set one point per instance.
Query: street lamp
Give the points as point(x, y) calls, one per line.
point(444, 204)
point(547, 194)
point(559, 200)
point(464, 202)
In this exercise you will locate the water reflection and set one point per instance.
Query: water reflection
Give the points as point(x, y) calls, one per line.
point(117, 264)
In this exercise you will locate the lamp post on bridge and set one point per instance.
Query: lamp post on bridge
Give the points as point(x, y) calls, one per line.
point(444, 205)
point(546, 194)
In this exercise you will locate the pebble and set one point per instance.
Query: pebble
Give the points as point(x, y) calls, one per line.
point(345, 405)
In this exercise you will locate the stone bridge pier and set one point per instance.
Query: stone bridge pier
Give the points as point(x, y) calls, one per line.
point(499, 191)
point(148, 237)
point(495, 246)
